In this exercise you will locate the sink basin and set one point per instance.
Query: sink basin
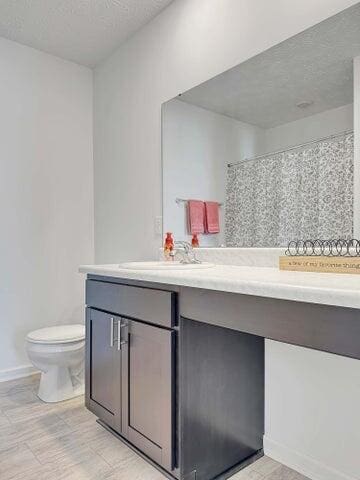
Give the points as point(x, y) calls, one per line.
point(164, 266)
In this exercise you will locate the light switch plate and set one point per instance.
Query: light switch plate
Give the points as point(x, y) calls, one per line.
point(158, 225)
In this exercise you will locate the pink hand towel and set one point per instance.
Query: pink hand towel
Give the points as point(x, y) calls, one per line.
point(212, 223)
point(196, 216)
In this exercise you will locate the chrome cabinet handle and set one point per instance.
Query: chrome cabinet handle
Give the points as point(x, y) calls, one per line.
point(119, 341)
point(111, 331)
point(119, 334)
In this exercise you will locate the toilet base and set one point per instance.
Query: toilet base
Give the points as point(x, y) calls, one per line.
point(57, 385)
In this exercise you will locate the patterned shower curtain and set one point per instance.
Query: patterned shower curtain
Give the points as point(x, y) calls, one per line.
point(306, 193)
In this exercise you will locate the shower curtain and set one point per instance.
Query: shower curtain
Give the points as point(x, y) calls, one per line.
point(306, 193)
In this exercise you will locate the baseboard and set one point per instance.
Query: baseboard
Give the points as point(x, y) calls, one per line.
point(17, 372)
point(302, 463)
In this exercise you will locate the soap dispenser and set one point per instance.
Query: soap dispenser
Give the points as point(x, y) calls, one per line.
point(168, 246)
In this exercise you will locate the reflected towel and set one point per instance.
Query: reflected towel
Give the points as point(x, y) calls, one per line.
point(196, 216)
point(212, 223)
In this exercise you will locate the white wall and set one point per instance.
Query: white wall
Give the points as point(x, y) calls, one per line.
point(187, 44)
point(310, 128)
point(46, 188)
point(197, 146)
point(312, 411)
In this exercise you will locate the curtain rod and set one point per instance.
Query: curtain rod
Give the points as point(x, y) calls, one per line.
point(347, 132)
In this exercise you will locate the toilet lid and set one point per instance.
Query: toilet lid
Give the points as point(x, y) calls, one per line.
point(58, 334)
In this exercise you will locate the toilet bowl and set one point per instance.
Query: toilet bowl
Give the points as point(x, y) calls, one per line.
point(59, 353)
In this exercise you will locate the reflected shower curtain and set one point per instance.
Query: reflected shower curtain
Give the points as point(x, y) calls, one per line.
point(306, 193)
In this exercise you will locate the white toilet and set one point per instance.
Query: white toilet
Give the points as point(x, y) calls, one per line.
point(59, 353)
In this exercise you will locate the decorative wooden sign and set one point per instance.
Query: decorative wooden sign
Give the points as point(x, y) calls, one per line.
point(320, 264)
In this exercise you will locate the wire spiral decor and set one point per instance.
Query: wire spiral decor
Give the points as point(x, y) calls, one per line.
point(325, 248)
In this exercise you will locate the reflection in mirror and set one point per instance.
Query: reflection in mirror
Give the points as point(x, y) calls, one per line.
point(270, 142)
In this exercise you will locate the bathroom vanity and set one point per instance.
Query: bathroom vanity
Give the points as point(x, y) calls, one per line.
point(175, 359)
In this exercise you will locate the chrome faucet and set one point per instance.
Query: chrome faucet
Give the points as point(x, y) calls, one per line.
point(186, 251)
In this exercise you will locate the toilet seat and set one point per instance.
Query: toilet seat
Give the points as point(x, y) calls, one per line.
point(61, 334)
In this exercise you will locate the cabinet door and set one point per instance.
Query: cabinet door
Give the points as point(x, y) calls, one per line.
point(103, 367)
point(147, 390)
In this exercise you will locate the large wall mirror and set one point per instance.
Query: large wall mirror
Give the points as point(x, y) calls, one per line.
point(270, 143)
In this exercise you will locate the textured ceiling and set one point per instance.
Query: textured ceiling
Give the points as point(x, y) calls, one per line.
point(84, 31)
point(315, 65)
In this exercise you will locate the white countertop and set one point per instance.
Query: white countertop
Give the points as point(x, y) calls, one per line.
point(324, 288)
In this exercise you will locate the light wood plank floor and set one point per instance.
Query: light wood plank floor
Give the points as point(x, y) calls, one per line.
point(40, 441)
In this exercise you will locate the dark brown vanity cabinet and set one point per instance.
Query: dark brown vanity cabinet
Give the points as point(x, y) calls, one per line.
point(129, 366)
point(187, 395)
